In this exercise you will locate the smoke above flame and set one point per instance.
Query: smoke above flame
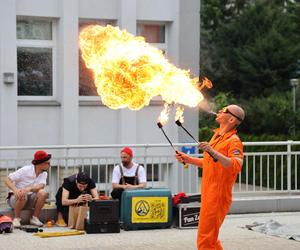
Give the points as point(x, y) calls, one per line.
point(128, 72)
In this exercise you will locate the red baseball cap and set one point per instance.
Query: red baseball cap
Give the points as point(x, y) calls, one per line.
point(128, 151)
point(40, 157)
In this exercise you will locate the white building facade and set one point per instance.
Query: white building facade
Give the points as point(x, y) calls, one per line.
point(40, 98)
point(46, 94)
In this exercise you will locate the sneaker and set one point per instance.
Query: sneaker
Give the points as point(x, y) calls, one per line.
point(17, 222)
point(61, 223)
point(36, 222)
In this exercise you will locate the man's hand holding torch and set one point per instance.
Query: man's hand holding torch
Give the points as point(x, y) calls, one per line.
point(204, 146)
point(182, 157)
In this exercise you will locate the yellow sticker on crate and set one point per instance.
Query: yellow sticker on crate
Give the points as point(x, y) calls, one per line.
point(149, 210)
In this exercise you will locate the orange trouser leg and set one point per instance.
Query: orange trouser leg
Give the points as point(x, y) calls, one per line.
point(219, 245)
point(208, 231)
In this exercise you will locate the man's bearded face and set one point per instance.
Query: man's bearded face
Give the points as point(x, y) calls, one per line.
point(126, 159)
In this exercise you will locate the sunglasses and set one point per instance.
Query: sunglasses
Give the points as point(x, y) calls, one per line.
point(227, 111)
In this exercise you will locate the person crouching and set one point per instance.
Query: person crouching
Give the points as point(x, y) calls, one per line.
point(75, 190)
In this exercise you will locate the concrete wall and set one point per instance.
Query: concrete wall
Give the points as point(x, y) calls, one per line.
point(68, 118)
point(8, 63)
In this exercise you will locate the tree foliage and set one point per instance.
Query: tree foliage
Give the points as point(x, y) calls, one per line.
point(250, 48)
point(267, 118)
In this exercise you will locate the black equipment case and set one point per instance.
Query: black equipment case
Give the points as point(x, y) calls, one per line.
point(103, 217)
point(187, 215)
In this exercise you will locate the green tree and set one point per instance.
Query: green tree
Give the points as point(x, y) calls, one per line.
point(268, 115)
point(267, 118)
point(217, 12)
point(255, 52)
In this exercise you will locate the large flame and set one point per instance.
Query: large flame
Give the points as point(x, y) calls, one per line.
point(128, 72)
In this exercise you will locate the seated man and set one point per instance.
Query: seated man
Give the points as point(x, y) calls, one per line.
point(128, 175)
point(27, 185)
point(76, 189)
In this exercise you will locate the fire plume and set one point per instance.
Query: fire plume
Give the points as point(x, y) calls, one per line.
point(128, 72)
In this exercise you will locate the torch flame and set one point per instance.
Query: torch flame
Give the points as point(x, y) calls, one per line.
point(179, 114)
point(164, 114)
point(128, 72)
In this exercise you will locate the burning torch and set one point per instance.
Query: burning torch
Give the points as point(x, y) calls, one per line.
point(163, 118)
point(179, 121)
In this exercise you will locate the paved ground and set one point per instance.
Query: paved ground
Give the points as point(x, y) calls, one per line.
point(232, 236)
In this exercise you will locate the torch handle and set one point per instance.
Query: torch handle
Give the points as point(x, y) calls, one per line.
point(215, 159)
point(180, 124)
point(161, 127)
point(185, 165)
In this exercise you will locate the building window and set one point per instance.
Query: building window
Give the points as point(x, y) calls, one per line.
point(86, 76)
point(34, 77)
point(155, 34)
point(35, 57)
point(29, 29)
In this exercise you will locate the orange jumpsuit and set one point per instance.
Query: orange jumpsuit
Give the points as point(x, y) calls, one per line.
point(217, 183)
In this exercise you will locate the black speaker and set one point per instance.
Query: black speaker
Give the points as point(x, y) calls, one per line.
point(104, 211)
point(104, 227)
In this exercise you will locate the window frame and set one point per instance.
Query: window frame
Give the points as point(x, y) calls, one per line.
point(160, 46)
point(33, 43)
point(113, 22)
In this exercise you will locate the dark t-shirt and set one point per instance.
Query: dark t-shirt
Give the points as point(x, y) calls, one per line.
point(70, 185)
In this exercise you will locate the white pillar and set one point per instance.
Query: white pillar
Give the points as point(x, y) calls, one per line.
point(127, 18)
point(189, 26)
point(127, 118)
point(67, 61)
point(8, 64)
